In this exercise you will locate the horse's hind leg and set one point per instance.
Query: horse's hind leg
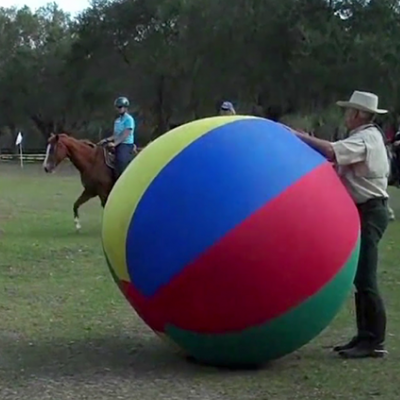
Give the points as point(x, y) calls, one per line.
point(82, 199)
point(103, 195)
point(103, 200)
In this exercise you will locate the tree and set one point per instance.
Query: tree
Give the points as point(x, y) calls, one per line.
point(178, 59)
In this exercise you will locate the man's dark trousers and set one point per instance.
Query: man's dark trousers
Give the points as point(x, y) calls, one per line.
point(123, 156)
point(370, 310)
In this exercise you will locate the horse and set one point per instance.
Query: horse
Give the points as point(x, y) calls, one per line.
point(94, 162)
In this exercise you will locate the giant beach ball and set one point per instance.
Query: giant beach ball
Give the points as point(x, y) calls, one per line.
point(233, 239)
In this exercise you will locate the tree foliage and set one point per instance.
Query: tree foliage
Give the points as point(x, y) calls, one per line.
point(177, 59)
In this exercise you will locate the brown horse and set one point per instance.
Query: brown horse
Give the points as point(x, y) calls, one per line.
point(94, 162)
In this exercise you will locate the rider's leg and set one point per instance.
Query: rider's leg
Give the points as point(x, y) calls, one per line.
point(118, 168)
point(123, 156)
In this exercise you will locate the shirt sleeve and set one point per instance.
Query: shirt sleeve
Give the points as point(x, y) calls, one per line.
point(129, 123)
point(350, 151)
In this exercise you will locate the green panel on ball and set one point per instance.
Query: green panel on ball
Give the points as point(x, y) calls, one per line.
point(277, 337)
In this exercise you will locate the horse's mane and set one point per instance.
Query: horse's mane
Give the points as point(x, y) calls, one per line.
point(88, 142)
point(84, 141)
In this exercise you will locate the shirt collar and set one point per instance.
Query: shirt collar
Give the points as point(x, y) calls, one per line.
point(360, 128)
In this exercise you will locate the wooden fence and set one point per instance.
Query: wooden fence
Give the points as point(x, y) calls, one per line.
point(32, 157)
point(25, 158)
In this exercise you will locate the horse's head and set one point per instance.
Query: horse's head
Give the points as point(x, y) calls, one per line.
point(55, 153)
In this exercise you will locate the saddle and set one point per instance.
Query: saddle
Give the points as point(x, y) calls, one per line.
point(109, 157)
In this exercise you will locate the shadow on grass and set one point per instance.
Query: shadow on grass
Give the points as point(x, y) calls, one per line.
point(121, 356)
point(113, 354)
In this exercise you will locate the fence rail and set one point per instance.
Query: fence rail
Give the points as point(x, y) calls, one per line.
point(25, 158)
point(34, 157)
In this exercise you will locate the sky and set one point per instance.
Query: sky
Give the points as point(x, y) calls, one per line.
point(72, 6)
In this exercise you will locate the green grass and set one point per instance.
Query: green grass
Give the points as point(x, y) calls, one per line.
point(66, 332)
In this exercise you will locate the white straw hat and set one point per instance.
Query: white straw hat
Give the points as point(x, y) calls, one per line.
point(363, 101)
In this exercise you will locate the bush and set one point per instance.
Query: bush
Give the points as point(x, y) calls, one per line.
point(326, 124)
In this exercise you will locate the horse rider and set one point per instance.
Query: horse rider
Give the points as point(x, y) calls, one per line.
point(227, 108)
point(363, 166)
point(123, 138)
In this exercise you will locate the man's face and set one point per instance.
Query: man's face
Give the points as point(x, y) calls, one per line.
point(121, 110)
point(351, 119)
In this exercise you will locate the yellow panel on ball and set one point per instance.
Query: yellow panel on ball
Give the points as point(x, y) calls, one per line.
point(137, 178)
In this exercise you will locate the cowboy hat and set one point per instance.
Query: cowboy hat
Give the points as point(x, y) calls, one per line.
point(363, 101)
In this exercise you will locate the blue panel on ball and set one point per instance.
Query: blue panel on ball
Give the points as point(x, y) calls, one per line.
point(205, 191)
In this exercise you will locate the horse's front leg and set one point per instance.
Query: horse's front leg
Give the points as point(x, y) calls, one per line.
point(82, 199)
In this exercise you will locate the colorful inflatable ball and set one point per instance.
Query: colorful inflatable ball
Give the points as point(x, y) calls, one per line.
point(233, 239)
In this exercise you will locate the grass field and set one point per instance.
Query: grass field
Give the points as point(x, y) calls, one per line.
point(66, 332)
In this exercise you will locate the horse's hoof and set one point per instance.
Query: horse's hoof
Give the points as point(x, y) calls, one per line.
point(77, 225)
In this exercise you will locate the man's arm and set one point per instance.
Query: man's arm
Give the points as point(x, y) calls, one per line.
point(344, 152)
point(115, 140)
point(322, 146)
point(109, 139)
point(120, 138)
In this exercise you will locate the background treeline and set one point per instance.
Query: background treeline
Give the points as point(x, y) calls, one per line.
point(178, 59)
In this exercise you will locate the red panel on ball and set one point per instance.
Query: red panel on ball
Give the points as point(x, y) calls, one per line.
point(148, 309)
point(259, 271)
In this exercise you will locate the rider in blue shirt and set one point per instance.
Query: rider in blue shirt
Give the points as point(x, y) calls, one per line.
point(123, 137)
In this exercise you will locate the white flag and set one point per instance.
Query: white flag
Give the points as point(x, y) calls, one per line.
point(18, 141)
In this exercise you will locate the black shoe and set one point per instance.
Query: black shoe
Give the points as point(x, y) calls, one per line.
point(353, 342)
point(364, 350)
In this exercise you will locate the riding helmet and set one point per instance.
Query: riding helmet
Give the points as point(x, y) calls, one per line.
point(121, 102)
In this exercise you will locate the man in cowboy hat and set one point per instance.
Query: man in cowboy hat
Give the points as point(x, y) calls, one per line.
point(362, 164)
